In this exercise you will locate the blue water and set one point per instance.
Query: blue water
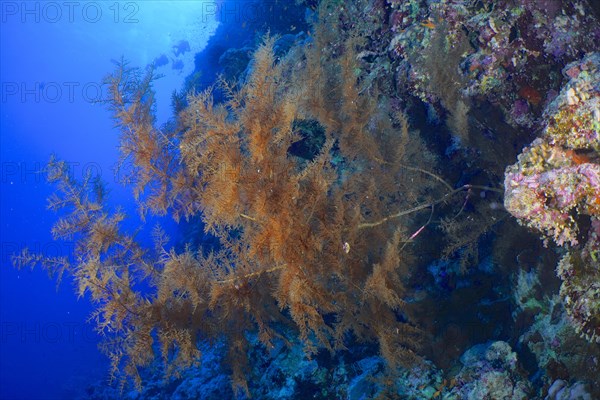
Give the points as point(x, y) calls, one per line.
point(53, 57)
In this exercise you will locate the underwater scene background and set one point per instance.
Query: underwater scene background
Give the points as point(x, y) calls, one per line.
point(300, 199)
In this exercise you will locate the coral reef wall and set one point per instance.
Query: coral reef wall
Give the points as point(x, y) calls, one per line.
point(360, 226)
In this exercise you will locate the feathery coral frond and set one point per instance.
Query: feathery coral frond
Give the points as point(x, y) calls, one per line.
point(295, 244)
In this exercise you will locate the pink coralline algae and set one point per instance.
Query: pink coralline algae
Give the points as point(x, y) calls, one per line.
point(548, 200)
point(555, 188)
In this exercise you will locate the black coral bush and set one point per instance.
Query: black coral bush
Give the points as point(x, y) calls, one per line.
point(316, 240)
